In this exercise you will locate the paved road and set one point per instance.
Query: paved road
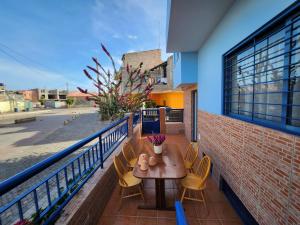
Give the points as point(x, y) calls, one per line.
point(22, 145)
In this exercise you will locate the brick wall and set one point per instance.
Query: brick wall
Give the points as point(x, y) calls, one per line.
point(261, 165)
point(187, 116)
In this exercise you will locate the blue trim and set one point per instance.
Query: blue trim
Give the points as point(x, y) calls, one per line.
point(269, 124)
point(285, 19)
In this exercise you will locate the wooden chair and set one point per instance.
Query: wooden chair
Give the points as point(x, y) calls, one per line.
point(196, 181)
point(127, 180)
point(129, 155)
point(190, 156)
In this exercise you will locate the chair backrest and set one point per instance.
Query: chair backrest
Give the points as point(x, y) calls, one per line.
point(128, 151)
point(120, 169)
point(203, 167)
point(191, 153)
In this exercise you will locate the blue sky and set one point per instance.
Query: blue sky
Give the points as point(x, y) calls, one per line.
point(46, 44)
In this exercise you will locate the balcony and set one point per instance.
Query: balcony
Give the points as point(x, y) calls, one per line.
point(219, 209)
point(79, 185)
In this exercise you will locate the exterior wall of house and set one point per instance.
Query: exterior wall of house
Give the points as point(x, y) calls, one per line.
point(150, 59)
point(172, 99)
point(243, 18)
point(261, 165)
point(185, 68)
point(31, 95)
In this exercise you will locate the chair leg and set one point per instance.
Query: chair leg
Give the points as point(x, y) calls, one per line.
point(183, 193)
point(203, 198)
point(121, 192)
point(141, 191)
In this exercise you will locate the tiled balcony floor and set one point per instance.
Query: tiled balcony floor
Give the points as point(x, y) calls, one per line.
point(127, 213)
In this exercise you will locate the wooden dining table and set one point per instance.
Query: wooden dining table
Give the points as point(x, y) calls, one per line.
point(170, 165)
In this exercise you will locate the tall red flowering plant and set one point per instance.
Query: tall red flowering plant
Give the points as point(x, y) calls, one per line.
point(116, 96)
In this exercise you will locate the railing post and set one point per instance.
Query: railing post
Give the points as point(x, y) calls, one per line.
point(162, 120)
point(101, 151)
point(130, 124)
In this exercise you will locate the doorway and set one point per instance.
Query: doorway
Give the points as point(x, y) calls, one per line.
point(194, 115)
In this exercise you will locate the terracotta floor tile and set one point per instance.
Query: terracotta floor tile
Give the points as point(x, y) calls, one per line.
point(224, 211)
point(128, 208)
point(166, 214)
point(232, 222)
point(146, 221)
point(210, 222)
point(192, 221)
point(125, 220)
point(208, 213)
point(107, 220)
point(189, 209)
point(147, 213)
point(166, 221)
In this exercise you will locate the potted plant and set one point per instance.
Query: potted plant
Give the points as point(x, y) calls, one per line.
point(157, 141)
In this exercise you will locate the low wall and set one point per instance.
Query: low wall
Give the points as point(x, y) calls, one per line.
point(174, 128)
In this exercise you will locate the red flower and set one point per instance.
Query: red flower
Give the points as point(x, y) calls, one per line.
point(87, 74)
point(81, 90)
point(105, 50)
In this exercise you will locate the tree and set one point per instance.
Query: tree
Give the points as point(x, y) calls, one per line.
point(113, 100)
point(69, 101)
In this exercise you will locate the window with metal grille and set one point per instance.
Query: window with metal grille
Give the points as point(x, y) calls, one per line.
point(262, 76)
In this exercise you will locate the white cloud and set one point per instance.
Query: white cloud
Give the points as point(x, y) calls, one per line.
point(133, 37)
point(131, 50)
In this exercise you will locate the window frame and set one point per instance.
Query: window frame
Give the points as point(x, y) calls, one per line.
point(284, 18)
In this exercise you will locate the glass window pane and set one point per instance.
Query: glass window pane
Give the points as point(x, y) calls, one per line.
point(268, 112)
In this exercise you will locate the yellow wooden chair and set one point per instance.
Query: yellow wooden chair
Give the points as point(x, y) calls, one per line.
point(190, 156)
point(127, 180)
point(129, 155)
point(196, 181)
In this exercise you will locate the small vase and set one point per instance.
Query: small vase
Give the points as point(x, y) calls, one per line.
point(157, 149)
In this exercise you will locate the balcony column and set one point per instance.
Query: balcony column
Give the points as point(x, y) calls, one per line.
point(162, 119)
point(130, 124)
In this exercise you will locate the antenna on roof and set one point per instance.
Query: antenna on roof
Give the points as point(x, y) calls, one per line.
point(159, 33)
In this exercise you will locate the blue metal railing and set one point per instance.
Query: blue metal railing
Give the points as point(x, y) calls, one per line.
point(52, 193)
point(180, 216)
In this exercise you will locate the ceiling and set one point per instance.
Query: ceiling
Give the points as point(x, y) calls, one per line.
point(191, 22)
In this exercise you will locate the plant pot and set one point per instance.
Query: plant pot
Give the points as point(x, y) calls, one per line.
point(157, 149)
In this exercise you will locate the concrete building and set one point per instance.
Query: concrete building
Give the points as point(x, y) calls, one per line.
point(239, 70)
point(37, 94)
point(53, 94)
point(2, 88)
point(31, 95)
point(161, 72)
